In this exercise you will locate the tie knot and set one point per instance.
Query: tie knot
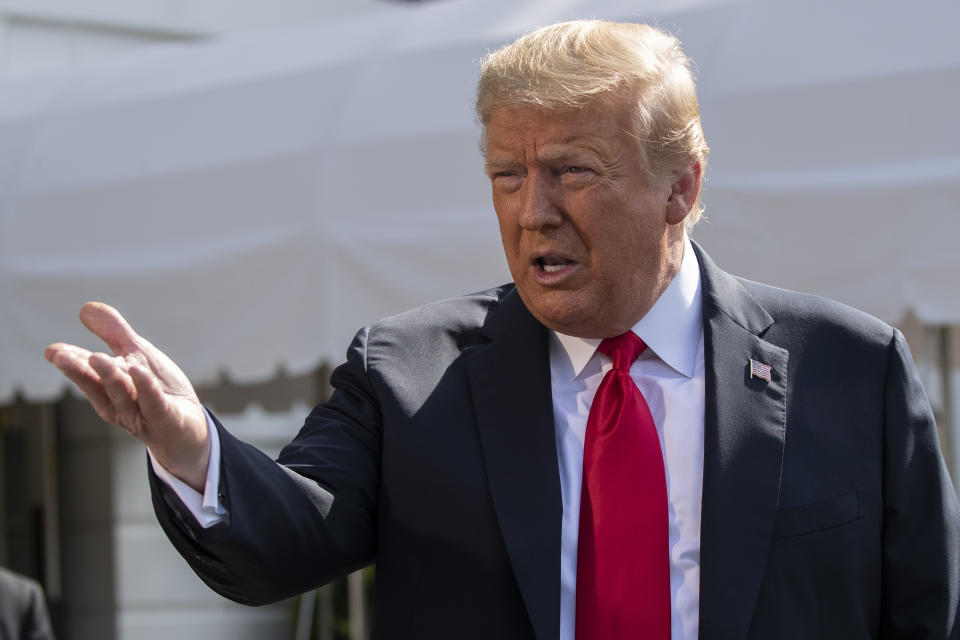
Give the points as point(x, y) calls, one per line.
point(624, 349)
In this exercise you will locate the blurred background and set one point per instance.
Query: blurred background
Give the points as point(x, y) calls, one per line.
point(249, 182)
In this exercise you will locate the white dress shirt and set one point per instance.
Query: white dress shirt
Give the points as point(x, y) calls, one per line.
point(669, 373)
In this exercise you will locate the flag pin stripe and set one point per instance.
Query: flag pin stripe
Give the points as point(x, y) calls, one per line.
point(760, 370)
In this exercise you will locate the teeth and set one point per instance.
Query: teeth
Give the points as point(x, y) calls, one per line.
point(553, 268)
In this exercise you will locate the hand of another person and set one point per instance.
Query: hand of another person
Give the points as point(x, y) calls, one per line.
point(140, 389)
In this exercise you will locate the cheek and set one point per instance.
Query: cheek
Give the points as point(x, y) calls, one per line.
point(503, 219)
point(509, 237)
point(620, 240)
point(508, 228)
point(604, 228)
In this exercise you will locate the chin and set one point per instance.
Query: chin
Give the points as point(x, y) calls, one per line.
point(566, 319)
point(568, 312)
point(581, 323)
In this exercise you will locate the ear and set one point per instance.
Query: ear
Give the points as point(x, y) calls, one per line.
point(683, 192)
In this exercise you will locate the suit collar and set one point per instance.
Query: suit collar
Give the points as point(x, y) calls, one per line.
point(722, 293)
point(507, 313)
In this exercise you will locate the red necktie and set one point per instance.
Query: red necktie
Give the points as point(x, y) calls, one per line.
point(623, 567)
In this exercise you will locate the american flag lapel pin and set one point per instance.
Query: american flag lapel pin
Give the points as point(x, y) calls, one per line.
point(760, 370)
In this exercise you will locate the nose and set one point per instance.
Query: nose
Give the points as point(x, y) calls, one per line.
point(541, 202)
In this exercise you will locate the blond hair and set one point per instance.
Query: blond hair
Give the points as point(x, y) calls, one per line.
point(572, 64)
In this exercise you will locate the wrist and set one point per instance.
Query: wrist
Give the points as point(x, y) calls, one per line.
point(188, 463)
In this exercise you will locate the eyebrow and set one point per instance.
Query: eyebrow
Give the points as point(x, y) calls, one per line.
point(559, 153)
point(498, 164)
point(565, 153)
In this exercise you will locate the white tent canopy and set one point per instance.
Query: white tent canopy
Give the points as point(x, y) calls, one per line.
point(248, 203)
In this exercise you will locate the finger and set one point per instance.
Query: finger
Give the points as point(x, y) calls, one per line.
point(74, 363)
point(57, 347)
point(51, 352)
point(120, 390)
point(107, 323)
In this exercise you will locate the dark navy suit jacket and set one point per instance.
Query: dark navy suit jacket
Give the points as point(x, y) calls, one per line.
point(827, 509)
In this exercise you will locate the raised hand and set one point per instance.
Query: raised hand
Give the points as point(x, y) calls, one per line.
point(140, 389)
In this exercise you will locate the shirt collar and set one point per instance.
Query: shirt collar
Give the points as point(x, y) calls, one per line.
point(671, 329)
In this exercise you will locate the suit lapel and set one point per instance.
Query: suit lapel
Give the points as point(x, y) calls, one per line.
point(744, 432)
point(510, 383)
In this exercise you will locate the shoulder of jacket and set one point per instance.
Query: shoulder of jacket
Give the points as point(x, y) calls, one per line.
point(462, 313)
point(811, 313)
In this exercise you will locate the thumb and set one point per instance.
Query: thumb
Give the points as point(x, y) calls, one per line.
point(111, 327)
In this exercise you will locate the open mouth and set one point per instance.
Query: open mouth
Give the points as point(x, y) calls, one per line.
point(552, 264)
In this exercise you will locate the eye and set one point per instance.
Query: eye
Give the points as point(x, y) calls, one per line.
point(577, 174)
point(506, 180)
point(501, 172)
point(577, 170)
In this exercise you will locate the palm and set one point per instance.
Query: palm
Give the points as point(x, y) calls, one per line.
point(140, 389)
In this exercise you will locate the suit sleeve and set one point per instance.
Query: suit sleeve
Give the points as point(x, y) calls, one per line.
point(301, 521)
point(921, 525)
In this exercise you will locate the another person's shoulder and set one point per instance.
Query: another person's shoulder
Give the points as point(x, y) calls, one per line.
point(9, 579)
point(24, 607)
point(16, 585)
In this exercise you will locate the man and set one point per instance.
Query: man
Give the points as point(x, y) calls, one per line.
point(23, 608)
point(758, 464)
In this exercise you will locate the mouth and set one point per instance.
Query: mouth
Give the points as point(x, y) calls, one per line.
point(550, 268)
point(552, 264)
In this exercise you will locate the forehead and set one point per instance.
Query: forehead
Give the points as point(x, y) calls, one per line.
point(602, 128)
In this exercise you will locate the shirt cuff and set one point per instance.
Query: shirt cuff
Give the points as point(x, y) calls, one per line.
point(207, 508)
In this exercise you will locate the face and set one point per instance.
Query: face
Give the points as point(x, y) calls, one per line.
point(591, 238)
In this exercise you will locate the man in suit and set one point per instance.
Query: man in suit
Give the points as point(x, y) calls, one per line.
point(798, 490)
point(23, 608)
